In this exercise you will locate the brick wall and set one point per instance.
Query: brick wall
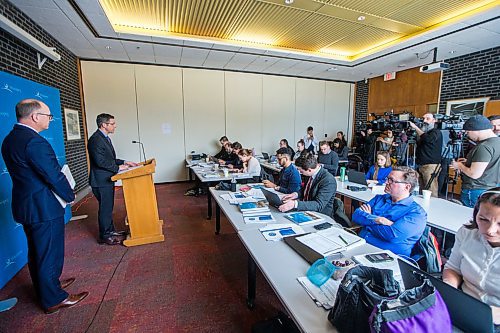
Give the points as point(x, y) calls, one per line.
point(19, 59)
point(471, 76)
point(361, 105)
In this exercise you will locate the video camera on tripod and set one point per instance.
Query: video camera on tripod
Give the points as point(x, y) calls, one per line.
point(455, 122)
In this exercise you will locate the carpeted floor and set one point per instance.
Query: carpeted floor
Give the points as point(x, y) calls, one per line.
point(195, 281)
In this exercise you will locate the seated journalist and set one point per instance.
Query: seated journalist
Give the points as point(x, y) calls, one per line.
point(393, 221)
point(474, 263)
point(317, 195)
point(289, 177)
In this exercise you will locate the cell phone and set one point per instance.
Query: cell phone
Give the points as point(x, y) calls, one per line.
point(322, 226)
point(379, 257)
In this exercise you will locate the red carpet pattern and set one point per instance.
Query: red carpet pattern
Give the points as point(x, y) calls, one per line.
point(195, 281)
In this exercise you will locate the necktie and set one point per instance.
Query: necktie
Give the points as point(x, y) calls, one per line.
point(308, 188)
point(109, 140)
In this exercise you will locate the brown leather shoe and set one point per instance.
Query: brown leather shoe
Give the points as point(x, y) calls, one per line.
point(68, 302)
point(67, 282)
point(111, 240)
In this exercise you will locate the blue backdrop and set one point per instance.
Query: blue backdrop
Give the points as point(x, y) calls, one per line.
point(13, 249)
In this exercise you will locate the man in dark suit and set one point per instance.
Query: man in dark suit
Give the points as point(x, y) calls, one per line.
point(36, 176)
point(319, 191)
point(103, 166)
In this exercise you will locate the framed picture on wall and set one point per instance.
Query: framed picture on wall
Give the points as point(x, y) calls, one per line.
point(466, 107)
point(72, 124)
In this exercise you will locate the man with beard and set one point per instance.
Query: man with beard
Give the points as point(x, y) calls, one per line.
point(428, 152)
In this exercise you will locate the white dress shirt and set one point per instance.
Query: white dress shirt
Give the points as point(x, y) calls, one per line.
point(478, 263)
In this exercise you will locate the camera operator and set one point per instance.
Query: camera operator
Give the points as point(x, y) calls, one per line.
point(481, 169)
point(368, 140)
point(428, 152)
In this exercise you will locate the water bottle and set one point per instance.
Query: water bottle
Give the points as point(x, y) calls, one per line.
point(342, 174)
point(233, 184)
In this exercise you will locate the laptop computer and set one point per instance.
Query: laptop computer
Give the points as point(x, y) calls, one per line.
point(265, 156)
point(357, 177)
point(467, 313)
point(273, 198)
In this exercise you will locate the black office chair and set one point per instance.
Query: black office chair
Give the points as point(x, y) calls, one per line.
point(338, 213)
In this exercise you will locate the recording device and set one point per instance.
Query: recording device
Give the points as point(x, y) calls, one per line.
point(435, 67)
point(143, 152)
point(379, 257)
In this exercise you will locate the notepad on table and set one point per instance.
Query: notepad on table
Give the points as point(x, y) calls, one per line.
point(330, 241)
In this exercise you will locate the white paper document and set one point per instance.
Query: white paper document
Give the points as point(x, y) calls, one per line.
point(276, 232)
point(67, 173)
point(332, 240)
point(323, 296)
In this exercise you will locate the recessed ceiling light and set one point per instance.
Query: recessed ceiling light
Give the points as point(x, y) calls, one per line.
point(331, 69)
point(361, 18)
point(401, 65)
point(138, 47)
point(108, 47)
point(452, 51)
point(288, 2)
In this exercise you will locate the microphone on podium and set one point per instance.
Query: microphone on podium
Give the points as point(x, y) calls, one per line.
point(143, 152)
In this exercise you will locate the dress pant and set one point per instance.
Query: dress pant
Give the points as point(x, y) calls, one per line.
point(46, 259)
point(425, 173)
point(106, 198)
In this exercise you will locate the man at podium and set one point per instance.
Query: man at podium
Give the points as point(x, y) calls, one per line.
point(103, 166)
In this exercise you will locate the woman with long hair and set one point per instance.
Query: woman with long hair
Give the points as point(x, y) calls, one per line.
point(474, 264)
point(378, 172)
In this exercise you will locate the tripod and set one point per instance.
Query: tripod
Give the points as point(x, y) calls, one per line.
point(452, 144)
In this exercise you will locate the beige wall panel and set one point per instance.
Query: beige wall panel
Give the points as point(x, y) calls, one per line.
point(204, 114)
point(338, 109)
point(244, 109)
point(278, 114)
point(161, 122)
point(110, 88)
point(310, 107)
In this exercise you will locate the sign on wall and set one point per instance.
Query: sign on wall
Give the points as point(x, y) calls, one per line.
point(13, 249)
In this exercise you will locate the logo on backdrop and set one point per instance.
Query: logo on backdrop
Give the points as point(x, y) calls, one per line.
point(10, 88)
point(4, 171)
point(12, 260)
point(4, 115)
point(40, 95)
point(4, 202)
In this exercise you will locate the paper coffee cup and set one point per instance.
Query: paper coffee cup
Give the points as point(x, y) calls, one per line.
point(226, 172)
point(426, 194)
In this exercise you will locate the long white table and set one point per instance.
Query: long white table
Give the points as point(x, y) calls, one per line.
point(281, 266)
point(442, 214)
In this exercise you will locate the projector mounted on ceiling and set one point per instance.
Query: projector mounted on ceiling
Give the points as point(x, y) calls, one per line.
point(434, 66)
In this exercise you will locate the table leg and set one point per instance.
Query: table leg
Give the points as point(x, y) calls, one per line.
point(209, 203)
point(252, 282)
point(442, 244)
point(190, 173)
point(217, 219)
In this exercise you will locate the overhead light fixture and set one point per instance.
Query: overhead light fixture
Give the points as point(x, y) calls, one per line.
point(452, 51)
point(108, 47)
point(361, 18)
point(16, 31)
point(332, 69)
point(288, 2)
point(401, 65)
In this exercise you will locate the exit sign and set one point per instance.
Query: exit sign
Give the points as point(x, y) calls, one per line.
point(389, 76)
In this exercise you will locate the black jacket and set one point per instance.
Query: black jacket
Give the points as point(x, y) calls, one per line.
point(429, 147)
point(321, 195)
point(103, 161)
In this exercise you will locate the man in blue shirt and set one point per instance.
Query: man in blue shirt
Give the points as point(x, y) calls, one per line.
point(393, 221)
point(289, 178)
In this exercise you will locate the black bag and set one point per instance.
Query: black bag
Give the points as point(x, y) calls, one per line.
point(279, 324)
point(360, 291)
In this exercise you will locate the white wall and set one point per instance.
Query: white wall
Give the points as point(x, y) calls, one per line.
point(177, 110)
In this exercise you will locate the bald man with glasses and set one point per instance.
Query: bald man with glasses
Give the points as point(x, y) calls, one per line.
point(393, 221)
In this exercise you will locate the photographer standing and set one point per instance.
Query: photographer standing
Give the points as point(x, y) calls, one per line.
point(481, 169)
point(428, 152)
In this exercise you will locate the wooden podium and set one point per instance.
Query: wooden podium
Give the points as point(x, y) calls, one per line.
point(141, 205)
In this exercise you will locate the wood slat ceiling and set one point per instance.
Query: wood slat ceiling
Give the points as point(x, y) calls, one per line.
point(327, 28)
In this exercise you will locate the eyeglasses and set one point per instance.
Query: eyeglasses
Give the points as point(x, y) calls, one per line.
point(394, 181)
point(51, 117)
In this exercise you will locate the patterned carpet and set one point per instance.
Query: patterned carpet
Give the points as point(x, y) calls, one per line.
point(194, 281)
